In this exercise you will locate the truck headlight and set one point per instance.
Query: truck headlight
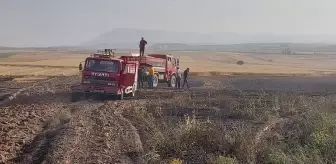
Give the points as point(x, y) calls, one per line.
point(86, 81)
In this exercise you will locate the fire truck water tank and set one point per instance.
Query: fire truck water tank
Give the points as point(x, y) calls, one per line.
point(134, 54)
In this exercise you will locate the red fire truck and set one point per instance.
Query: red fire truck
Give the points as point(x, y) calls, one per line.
point(165, 67)
point(105, 74)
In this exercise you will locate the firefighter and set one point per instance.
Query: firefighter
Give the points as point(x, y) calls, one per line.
point(141, 76)
point(185, 77)
point(142, 46)
point(150, 76)
point(178, 78)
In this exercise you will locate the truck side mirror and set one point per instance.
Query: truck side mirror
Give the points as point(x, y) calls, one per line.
point(80, 66)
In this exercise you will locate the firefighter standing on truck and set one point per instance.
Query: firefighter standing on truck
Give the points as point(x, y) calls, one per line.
point(150, 76)
point(142, 46)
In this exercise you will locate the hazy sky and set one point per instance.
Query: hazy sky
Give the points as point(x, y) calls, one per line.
point(70, 22)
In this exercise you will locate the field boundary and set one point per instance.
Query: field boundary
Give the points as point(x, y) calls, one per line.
point(14, 95)
point(34, 65)
point(204, 73)
point(230, 74)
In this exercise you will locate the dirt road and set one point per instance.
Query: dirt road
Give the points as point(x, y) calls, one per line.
point(42, 126)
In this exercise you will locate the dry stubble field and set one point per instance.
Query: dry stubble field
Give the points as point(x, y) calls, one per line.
point(65, 63)
point(220, 119)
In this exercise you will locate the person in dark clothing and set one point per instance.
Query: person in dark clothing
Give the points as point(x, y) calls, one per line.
point(185, 77)
point(141, 76)
point(142, 46)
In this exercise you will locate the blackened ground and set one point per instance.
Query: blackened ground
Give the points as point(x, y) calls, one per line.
point(41, 125)
point(323, 84)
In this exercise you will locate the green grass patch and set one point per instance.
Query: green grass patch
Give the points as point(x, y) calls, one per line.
point(6, 55)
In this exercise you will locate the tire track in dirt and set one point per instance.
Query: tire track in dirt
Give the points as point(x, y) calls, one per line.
point(20, 124)
point(25, 118)
point(78, 133)
point(36, 151)
point(44, 147)
point(15, 94)
point(94, 133)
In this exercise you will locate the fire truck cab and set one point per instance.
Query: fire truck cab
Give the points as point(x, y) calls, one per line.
point(106, 75)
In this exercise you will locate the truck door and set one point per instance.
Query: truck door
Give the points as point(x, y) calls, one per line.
point(129, 74)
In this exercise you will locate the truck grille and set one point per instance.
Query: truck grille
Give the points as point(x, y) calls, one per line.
point(102, 78)
point(96, 80)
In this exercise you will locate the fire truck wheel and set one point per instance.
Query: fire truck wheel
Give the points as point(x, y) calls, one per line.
point(86, 95)
point(172, 81)
point(102, 97)
point(75, 96)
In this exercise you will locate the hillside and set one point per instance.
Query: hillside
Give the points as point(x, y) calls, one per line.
point(248, 47)
point(129, 38)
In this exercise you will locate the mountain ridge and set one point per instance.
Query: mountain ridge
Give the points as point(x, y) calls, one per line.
point(129, 38)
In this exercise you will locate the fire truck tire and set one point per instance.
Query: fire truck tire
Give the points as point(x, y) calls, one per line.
point(75, 96)
point(86, 95)
point(102, 97)
point(172, 81)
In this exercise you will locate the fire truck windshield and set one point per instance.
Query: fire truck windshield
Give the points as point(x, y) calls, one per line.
point(102, 65)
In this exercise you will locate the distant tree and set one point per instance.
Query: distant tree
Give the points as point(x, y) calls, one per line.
point(240, 62)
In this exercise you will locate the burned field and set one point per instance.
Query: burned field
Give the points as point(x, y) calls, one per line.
point(233, 127)
point(213, 122)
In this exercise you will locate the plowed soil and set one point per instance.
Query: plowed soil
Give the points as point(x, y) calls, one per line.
point(41, 126)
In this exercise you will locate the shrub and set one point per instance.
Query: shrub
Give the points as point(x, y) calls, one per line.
point(300, 129)
point(240, 62)
point(176, 161)
point(225, 160)
point(6, 55)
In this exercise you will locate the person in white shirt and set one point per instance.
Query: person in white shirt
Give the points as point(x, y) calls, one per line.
point(178, 78)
